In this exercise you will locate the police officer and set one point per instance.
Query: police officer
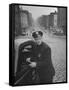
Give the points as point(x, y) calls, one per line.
point(37, 55)
point(42, 56)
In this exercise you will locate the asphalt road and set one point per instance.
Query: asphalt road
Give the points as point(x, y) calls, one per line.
point(58, 49)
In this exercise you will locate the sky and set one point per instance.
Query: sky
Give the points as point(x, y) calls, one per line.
point(38, 11)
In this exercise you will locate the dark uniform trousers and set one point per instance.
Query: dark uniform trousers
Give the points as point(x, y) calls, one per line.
point(41, 54)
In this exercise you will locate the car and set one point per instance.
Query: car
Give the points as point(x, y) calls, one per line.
point(17, 43)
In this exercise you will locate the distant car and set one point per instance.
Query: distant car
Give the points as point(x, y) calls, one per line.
point(57, 31)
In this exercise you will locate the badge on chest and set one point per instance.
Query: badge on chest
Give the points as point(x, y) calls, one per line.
point(39, 55)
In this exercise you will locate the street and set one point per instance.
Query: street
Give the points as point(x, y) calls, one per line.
point(58, 49)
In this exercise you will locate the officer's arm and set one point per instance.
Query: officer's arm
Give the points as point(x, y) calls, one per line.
point(46, 61)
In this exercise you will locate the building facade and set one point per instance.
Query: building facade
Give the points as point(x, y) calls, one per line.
point(17, 20)
point(53, 20)
point(62, 19)
point(23, 20)
point(26, 20)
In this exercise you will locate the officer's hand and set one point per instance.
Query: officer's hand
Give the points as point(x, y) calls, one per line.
point(28, 60)
point(32, 64)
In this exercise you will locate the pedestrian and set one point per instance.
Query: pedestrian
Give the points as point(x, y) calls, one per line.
point(37, 55)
